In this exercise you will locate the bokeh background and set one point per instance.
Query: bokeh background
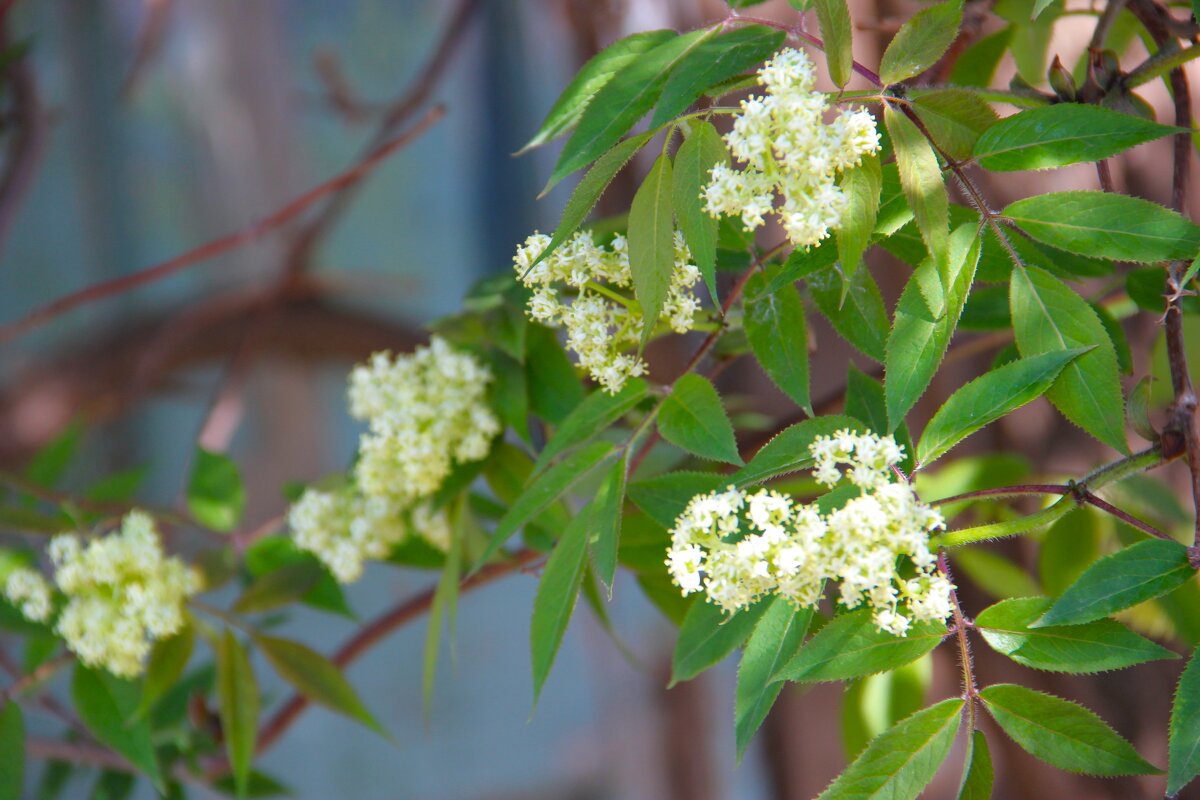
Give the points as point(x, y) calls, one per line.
point(152, 126)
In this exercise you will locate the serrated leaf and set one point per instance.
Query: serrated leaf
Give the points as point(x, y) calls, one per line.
point(543, 490)
point(711, 62)
point(595, 414)
point(317, 678)
point(279, 587)
point(862, 186)
point(900, 762)
point(854, 306)
point(652, 243)
point(622, 101)
point(1061, 733)
point(955, 117)
point(919, 337)
point(588, 192)
point(1125, 578)
point(702, 151)
point(852, 646)
point(1183, 744)
point(215, 494)
point(12, 752)
point(1078, 649)
point(1137, 410)
point(708, 634)
point(168, 659)
point(605, 534)
point(978, 774)
point(1049, 316)
point(590, 79)
point(1105, 225)
point(920, 42)
point(106, 705)
point(925, 188)
point(692, 418)
point(788, 451)
point(990, 397)
point(664, 497)
point(775, 639)
point(238, 705)
point(557, 593)
point(834, 18)
point(775, 326)
point(1061, 134)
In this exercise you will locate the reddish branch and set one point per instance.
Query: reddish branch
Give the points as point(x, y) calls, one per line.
point(368, 637)
point(225, 243)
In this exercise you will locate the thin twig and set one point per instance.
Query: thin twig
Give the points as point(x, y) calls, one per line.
point(222, 245)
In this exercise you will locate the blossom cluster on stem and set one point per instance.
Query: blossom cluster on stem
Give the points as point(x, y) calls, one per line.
point(587, 289)
point(738, 547)
point(426, 411)
point(788, 151)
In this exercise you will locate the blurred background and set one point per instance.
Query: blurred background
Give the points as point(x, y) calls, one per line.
point(135, 130)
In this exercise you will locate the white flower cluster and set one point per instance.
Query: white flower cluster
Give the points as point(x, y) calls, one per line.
point(603, 321)
point(738, 547)
point(30, 593)
point(122, 593)
point(788, 148)
point(425, 412)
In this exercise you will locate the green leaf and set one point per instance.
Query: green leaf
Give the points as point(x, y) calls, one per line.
point(862, 186)
point(317, 678)
point(775, 326)
point(215, 493)
point(994, 574)
point(445, 604)
point(1104, 225)
point(924, 187)
point(1068, 547)
point(955, 117)
point(595, 414)
point(1183, 747)
point(238, 704)
point(919, 337)
point(900, 762)
point(606, 512)
point(851, 646)
point(1078, 649)
point(978, 775)
point(702, 150)
point(1127, 577)
point(708, 634)
point(854, 307)
point(978, 63)
point(554, 388)
point(588, 192)
point(1061, 733)
point(664, 497)
point(775, 639)
point(788, 452)
point(1061, 134)
point(711, 62)
point(279, 587)
point(556, 595)
point(168, 659)
point(652, 243)
point(543, 490)
point(834, 18)
point(12, 752)
point(692, 418)
point(875, 703)
point(590, 79)
point(920, 42)
point(52, 459)
point(1137, 411)
point(622, 101)
point(1049, 316)
point(990, 397)
point(106, 705)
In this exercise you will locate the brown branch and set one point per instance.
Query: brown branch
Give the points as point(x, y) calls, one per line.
point(224, 244)
point(368, 637)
